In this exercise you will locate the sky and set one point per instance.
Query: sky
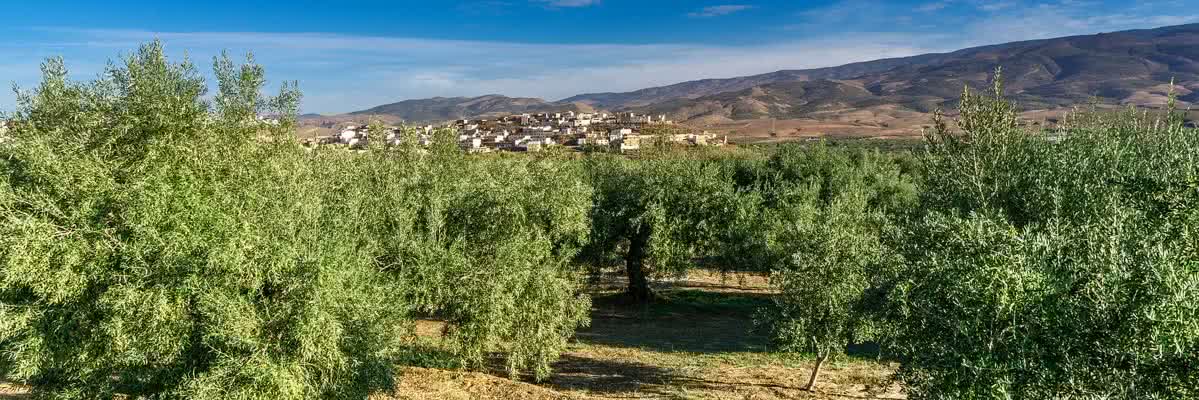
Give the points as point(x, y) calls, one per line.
point(352, 55)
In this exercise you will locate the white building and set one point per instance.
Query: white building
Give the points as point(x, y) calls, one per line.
point(474, 144)
point(617, 134)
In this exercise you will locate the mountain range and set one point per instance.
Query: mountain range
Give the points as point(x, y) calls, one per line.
point(1128, 67)
point(446, 108)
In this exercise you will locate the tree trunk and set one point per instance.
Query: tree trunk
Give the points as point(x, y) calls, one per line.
point(816, 372)
point(634, 265)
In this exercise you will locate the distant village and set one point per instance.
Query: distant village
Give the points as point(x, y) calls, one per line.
point(624, 132)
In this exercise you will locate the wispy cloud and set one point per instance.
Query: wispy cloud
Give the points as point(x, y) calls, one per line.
point(340, 72)
point(348, 73)
point(716, 11)
point(992, 21)
point(997, 5)
point(1068, 17)
point(567, 3)
point(931, 7)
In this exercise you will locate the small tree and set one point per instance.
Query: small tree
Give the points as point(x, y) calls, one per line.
point(658, 138)
point(488, 249)
point(825, 213)
point(823, 283)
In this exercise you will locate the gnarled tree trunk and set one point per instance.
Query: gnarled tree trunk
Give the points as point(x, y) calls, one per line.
point(635, 267)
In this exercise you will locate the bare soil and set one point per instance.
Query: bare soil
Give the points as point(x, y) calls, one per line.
point(434, 384)
point(14, 391)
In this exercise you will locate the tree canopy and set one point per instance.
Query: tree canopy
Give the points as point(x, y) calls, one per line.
point(157, 242)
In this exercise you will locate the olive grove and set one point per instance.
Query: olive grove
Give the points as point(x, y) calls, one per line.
point(161, 241)
point(157, 242)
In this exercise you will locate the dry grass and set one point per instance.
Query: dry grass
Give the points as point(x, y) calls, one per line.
point(13, 391)
point(435, 384)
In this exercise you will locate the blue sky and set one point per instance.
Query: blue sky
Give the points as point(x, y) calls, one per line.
point(353, 55)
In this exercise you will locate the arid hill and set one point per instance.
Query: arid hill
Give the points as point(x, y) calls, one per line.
point(447, 108)
point(1133, 67)
point(890, 97)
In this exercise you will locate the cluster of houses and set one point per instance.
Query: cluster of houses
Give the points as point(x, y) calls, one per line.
point(536, 132)
point(357, 136)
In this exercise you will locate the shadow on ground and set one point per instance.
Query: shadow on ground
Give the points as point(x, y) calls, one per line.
point(576, 373)
point(683, 321)
point(608, 377)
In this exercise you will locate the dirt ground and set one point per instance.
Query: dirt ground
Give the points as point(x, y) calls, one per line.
point(699, 344)
point(13, 391)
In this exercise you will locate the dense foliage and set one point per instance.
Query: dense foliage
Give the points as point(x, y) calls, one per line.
point(155, 243)
point(823, 222)
point(1053, 266)
point(486, 246)
point(660, 214)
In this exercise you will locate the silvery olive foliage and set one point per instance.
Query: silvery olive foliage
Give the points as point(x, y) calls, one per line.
point(158, 241)
point(826, 212)
point(1052, 265)
point(486, 245)
point(659, 214)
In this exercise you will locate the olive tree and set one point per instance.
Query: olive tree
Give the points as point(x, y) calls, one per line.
point(155, 243)
point(823, 282)
point(825, 213)
point(159, 244)
point(657, 215)
point(486, 245)
point(1052, 266)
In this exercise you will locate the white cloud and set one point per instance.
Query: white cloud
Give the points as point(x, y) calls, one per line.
point(996, 6)
point(340, 73)
point(717, 11)
point(1067, 18)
